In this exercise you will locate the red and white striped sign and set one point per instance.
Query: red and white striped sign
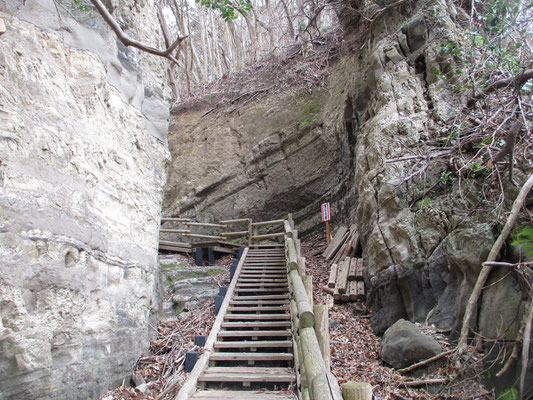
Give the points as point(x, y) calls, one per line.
point(326, 214)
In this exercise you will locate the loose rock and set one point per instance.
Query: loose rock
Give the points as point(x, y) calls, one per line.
point(403, 344)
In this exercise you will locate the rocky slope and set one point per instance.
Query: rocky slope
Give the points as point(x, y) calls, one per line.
point(82, 151)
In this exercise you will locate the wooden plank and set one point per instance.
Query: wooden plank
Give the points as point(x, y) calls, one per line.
point(176, 219)
point(258, 302)
point(257, 317)
point(174, 230)
point(257, 324)
point(231, 377)
point(263, 297)
point(234, 221)
point(352, 290)
point(176, 249)
point(359, 270)
point(342, 276)
point(332, 275)
point(251, 333)
point(252, 356)
point(255, 290)
point(253, 344)
point(250, 370)
point(271, 308)
point(219, 249)
point(352, 269)
point(241, 395)
point(204, 225)
point(199, 236)
point(189, 387)
point(361, 290)
point(268, 236)
point(178, 244)
point(262, 279)
point(335, 243)
point(265, 223)
point(262, 284)
point(234, 234)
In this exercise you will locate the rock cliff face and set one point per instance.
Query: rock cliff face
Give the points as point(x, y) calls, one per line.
point(82, 167)
point(287, 153)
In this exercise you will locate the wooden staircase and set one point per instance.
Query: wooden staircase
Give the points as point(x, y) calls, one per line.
point(249, 353)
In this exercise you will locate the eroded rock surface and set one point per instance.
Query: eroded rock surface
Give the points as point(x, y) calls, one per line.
point(80, 200)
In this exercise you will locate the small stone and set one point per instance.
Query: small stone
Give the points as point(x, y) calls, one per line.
point(137, 379)
point(2, 27)
point(403, 344)
point(142, 388)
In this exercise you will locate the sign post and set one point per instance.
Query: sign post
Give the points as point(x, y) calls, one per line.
point(326, 216)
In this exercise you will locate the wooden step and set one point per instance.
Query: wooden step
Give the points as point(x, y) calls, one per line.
point(262, 280)
point(284, 333)
point(252, 356)
point(247, 344)
point(242, 395)
point(257, 316)
point(247, 290)
point(271, 308)
point(257, 302)
point(257, 324)
point(265, 297)
point(261, 284)
point(244, 374)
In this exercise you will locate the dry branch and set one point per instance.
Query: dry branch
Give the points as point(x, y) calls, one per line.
point(493, 255)
point(127, 41)
point(421, 363)
point(517, 80)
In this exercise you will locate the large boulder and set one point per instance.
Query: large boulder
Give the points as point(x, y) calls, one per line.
point(403, 344)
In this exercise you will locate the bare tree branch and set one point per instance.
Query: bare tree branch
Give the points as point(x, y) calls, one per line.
point(517, 80)
point(127, 41)
point(484, 274)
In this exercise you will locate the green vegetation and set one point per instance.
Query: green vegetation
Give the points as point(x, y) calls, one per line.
point(228, 9)
point(172, 266)
point(422, 203)
point(523, 237)
point(509, 394)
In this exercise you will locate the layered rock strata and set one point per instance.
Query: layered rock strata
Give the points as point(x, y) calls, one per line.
point(82, 173)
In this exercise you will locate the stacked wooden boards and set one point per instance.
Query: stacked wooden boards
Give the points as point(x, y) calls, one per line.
point(345, 281)
point(345, 243)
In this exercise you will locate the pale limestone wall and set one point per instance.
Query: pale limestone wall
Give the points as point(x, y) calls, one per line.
point(80, 201)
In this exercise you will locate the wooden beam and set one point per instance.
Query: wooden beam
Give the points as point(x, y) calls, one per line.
point(305, 311)
point(338, 240)
point(292, 255)
point(176, 219)
point(268, 236)
point(174, 230)
point(179, 244)
point(322, 332)
point(265, 223)
point(234, 221)
point(332, 275)
point(342, 276)
point(190, 385)
point(204, 225)
point(357, 391)
point(232, 234)
point(199, 236)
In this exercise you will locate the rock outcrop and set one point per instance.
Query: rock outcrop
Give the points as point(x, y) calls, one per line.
point(344, 143)
point(82, 165)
